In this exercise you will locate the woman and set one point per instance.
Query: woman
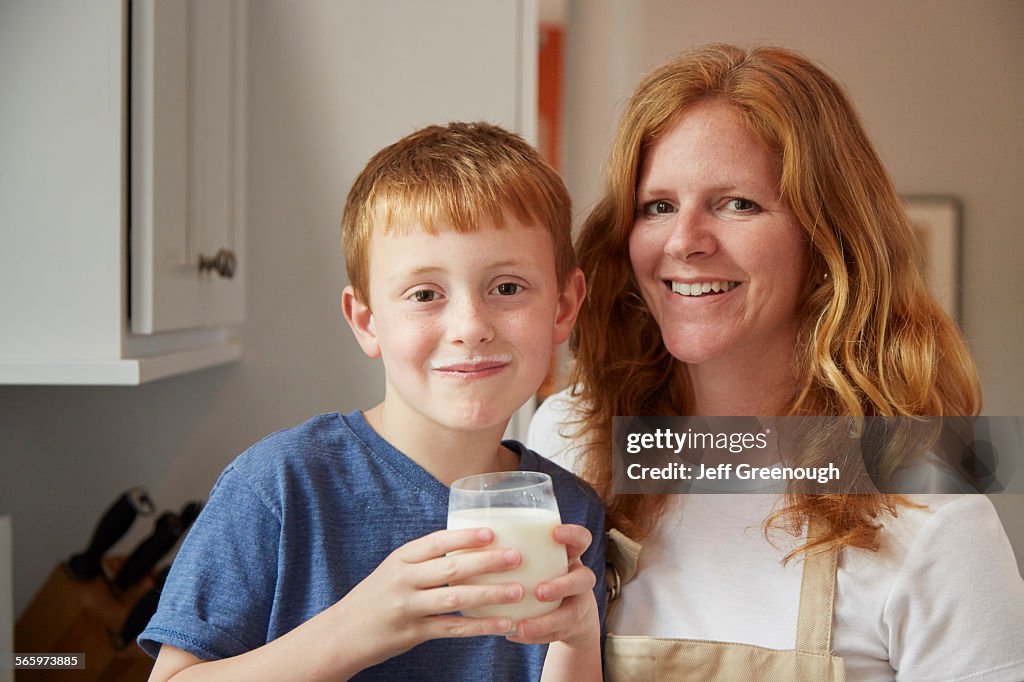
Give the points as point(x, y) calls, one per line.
point(750, 257)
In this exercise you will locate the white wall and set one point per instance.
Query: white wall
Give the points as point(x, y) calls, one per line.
point(329, 83)
point(939, 85)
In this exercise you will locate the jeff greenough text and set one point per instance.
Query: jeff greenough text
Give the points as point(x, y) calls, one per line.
point(745, 472)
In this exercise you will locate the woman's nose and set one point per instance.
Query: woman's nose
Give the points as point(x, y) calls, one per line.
point(691, 236)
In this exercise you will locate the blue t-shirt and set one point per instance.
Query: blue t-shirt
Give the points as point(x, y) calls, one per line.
point(300, 518)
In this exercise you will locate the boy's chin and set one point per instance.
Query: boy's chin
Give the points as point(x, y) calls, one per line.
point(474, 420)
point(476, 424)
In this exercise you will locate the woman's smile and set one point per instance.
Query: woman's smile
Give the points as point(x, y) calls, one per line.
point(701, 289)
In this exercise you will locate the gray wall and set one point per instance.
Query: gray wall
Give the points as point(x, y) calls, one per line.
point(939, 85)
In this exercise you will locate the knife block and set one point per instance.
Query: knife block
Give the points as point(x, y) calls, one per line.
point(80, 616)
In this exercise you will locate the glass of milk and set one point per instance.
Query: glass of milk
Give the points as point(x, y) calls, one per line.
point(520, 507)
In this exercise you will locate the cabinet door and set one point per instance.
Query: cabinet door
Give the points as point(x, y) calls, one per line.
point(187, 167)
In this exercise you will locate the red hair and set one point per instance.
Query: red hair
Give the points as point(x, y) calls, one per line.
point(872, 340)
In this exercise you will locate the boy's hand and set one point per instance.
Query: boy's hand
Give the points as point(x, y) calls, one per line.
point(409, 598)
point(576, 621)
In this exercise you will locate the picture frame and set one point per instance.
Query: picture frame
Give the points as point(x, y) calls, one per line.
point(936, 221)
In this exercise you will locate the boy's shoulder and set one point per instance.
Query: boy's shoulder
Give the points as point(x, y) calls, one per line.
point(295, 442)
point(303, 451)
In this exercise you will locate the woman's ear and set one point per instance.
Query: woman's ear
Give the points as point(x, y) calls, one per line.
point(569, 301)
point(360, 320)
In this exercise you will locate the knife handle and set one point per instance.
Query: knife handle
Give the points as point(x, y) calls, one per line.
point(114, 523)
point(189, 513)
point(166, 532)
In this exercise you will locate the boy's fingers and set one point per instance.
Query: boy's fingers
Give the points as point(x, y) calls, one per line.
point(441, 542)
point(579, 580)
point(448, 599)
point(463, 626)
point(576, 539)
point(454, 568)
point(557, 624)
point(548, 627)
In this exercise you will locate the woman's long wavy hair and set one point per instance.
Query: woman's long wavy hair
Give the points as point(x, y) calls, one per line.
point(872, 340)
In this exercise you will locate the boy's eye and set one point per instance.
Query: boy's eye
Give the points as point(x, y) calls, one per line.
point(424, 296)
point(657, 207)
point(508, 289)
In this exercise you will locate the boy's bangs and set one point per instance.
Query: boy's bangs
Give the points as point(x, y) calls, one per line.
point(434, 209)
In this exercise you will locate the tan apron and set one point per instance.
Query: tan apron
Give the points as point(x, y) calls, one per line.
point(660, 658)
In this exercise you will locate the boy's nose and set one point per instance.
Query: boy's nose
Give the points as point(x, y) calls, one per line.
point(469, 322)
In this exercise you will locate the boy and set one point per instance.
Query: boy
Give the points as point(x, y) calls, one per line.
point(319, 554)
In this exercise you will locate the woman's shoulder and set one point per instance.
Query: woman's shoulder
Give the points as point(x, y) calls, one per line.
point(951, 533)
point(929, 513)
point(952, 584)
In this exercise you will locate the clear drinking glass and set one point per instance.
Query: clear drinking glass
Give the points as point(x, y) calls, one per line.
point(520, 507)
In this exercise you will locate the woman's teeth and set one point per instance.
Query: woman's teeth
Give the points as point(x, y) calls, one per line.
point(702, 288)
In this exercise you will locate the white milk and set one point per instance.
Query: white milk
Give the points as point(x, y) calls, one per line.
point(529, 531)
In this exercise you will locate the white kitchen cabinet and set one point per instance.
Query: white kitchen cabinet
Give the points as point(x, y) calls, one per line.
point(121, 169)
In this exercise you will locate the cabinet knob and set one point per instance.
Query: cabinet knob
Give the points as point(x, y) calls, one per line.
point(223, 263)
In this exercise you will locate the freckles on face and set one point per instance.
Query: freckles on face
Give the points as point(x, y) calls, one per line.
point(719, 257)
point(464, 320)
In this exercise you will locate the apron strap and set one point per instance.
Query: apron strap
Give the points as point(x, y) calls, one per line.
point(817, 595)
point(622, 556)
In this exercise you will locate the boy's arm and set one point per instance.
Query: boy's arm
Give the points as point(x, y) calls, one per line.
point(407, 600)
point(316, 650)
point(576, 664)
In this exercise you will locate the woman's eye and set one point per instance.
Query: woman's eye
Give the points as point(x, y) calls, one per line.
point(658, 207)
point(508, 289)
point(742, 206)
point(424, 296)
